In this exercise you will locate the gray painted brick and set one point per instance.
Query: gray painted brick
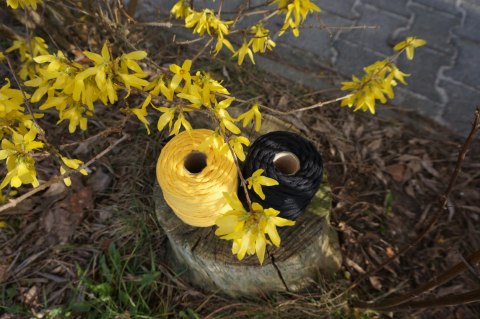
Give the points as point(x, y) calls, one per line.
point(472, 21)
point(422, 80)
point(315, 39)
point(395, 6)
point(299, 58)
point(406, 98)
point(447, 6)
point(431, 26)
point(467, 64)
point(343, 8)
point(374, 39)
point(451, 28)
point(463, 101)
point(352, 58)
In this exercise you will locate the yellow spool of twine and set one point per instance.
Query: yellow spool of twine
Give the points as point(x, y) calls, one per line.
point(193, 182)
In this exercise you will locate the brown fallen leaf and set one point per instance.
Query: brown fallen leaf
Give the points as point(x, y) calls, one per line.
point(389, 252)
point(56, 189)
point(31, 296)
point(3, 272)
point(81, 201)
point(375, 282)
point(61, 221)
point(397, 171)
point(100, 180)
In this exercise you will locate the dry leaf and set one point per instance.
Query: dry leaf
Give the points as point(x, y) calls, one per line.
point(3, 272)
point(56, 189)
point(375, 282)
point(61, 221)
point(397, 171)
point(354, 265)
point(81, 201)
point(31, 296)
point(283, 102)
point(427, 164)
point(389, 252)
point(99, 181)
point(374, 145)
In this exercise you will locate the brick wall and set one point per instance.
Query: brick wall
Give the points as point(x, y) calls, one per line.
point(445, 81)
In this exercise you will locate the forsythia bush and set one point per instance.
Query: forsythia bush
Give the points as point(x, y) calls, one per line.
point(73, 89)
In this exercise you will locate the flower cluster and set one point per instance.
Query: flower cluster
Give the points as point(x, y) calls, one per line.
point(248, 229)
point(18, 134)
point(379, 80)
point(296, 12)
point(69, 87)
point(73, 88)
point(256, 38)
point(28, 49)
point(184, 93)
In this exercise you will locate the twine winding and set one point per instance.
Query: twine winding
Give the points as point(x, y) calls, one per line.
point(294, 162)
point(193, 182)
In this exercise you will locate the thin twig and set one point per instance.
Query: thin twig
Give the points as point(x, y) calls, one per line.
point(14, 202)
point(317, 105)
point(199, 53)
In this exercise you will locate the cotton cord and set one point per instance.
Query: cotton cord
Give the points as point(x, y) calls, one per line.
point(193, 181)
point(294, 162)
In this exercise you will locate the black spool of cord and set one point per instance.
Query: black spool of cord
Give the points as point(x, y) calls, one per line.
point(291, 160)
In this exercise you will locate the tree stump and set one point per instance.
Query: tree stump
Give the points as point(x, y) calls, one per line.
point(309, 250)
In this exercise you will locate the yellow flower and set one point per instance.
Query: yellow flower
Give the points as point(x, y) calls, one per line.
point(221, 41)
point(181, 9)
point(141, 112)
point(247, 229)
point(296, 13)
point(257, 181)
point(193, 94)
point(216, 142)
point(28, 49)
point(181, 73)
point(166, 118)
point(10, 99)
point(20, 164)
point(23, 3)
point(243, 51)
point(248, 116)
point(180, 122)
point(226, 121)
point(409, 46)
point(102, 70)
point(77, 114)
point(378, 81)
point(73, 164)
point(237, 143)
point(206, 20)
point(261, 40)
point(158, 86)
point(128, 62)
point(208, 87)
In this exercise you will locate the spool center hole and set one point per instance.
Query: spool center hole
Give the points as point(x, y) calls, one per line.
point(286, 163)
point(195, 162)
